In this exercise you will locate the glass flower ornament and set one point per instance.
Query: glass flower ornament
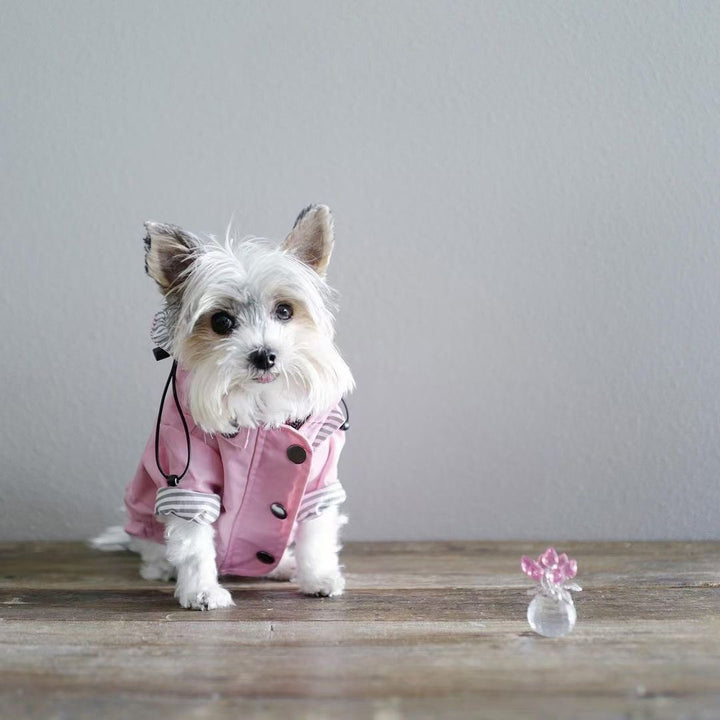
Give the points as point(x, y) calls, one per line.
point(551, 612)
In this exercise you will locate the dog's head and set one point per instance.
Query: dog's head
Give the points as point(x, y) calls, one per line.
point(252, 322)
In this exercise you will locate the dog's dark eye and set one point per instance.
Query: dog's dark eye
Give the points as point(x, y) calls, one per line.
point(222, 323)
point(283, 311)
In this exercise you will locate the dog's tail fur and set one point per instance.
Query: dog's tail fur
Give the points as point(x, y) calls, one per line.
point(111, 539)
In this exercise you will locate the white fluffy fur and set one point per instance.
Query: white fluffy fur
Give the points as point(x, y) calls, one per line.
point(316, 552)
point(190, 548)
point(248, 279)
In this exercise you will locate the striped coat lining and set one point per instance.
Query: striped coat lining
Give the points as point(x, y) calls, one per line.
point(332, 422)
point(160, 331)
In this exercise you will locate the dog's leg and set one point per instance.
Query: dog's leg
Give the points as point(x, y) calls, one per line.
point(154, 564)
point(190, 548)
point(286, 568)
point(316, 551)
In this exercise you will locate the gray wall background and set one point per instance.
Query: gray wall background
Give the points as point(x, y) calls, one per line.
point(526, 201)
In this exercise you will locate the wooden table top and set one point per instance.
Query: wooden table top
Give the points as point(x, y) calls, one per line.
point(425, 630)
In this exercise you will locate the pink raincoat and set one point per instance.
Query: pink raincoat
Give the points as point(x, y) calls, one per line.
point(254, 486)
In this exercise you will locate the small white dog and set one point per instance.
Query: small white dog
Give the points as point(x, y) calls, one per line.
point(240, 475)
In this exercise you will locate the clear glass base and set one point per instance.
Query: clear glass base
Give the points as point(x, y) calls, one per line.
point(551, 617)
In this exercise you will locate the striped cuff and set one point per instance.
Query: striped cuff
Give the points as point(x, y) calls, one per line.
point(202, 508)
point(314, 503)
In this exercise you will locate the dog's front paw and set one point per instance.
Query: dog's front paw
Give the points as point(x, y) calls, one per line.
point(331, 584)
point(211, 598)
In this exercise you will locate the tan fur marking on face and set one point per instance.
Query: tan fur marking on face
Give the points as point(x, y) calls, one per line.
point(203, 341)
point(304, 322)
point(300, 312)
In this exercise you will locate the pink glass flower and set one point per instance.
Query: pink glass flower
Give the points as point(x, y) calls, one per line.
point(552, 611)
point(531, 568)
point(555, 568)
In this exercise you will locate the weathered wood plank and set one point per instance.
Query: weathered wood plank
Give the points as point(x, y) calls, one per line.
point(422, 564)
point(427, 630)
point(675, 604)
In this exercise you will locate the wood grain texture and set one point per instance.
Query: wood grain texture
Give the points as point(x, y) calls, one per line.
point(426, 630)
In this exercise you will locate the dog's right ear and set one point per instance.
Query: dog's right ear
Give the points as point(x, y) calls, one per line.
point(169, 253)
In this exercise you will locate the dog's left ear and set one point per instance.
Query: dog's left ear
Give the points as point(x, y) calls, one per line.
point(311, 239)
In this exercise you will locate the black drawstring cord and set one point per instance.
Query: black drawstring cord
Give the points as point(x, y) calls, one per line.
point(346, 425)
point(172, 480)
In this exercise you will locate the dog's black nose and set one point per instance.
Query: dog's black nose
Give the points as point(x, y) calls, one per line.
point(262, 358)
